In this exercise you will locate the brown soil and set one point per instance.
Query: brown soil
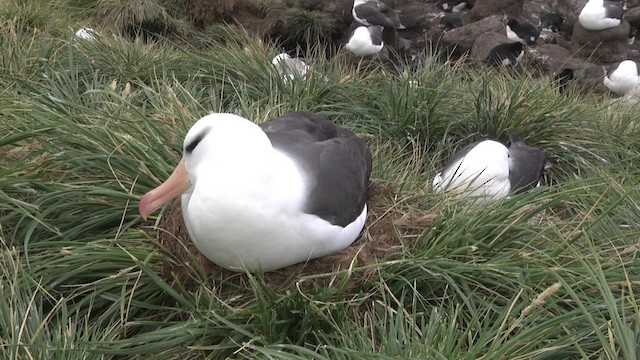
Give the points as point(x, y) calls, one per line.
point(389, 231)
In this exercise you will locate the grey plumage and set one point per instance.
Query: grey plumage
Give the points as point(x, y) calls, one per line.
point(612, 10)
point(375, 12)
point(552, 21)
point(505, 54)
point(448, 22)
point(526, 164)
point(376, 34)
point(335, 161)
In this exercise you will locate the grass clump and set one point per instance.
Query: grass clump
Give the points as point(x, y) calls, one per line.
point(137, 18)
point(307, 27)
point(87, 127)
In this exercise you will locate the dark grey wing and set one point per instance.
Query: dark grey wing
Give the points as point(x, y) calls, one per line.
point(562, 79)
point(613, 11)
point(608, 70)
point(492, 58)
point(377, 13)
point(526, 164)
point(552, 21)
point(375, 32)
point(504, 51)
point(336, 162)
point(531, 30)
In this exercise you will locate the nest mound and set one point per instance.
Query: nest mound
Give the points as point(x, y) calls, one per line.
point(387, 234)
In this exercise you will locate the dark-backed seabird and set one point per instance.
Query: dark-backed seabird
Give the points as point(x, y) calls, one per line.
point(622, 78)
point(552, 22)
point(290, 68)
point(365, 41)
point(562, 78)
point(448, 22)
point(522, 32)
point(488, 170)
point(375, 12)
point(600, 15)
point(262, 197)
point(506, 54)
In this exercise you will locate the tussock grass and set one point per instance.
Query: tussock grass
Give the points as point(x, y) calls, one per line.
point(87, 127)
point(307, 27)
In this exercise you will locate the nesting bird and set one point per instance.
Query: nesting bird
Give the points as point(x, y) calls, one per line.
point(448, 22)
point(600, 15)
point(506, 54)
point(85, 33)
point(375, 12)
point(290, 68)
point(622, 78)
point(522, 32)
point(488, 170)
point(562, 78)
point(552, 22)
point(262, 197)
point(365, 41)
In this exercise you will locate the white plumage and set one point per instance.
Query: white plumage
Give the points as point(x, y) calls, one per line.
point(245, 202)
point(85, 33)
point(482, 172)
point(361, 43)
point(289, 67)
point(488, 170)
point(623, 79)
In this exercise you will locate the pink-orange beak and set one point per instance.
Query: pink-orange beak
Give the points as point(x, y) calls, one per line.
point(173, 187)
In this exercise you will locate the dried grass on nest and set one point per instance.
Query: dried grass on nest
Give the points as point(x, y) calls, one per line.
point(387, 233)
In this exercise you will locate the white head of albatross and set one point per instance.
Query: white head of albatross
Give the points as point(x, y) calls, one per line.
point(262, 197)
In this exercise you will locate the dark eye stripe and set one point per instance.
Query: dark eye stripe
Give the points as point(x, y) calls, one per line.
point(192, 145)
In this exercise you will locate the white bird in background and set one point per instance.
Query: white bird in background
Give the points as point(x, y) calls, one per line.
point(86, 33)
point(262, 197)
point(289, 67)
point(622, 78)
point(600, 15)
point(488, 171)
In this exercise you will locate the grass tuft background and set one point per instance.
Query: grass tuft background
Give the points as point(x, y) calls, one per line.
point(86, 127)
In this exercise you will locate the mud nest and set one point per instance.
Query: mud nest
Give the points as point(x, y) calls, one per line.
point(388, 233)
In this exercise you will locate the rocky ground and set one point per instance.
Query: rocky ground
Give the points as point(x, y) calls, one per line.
point(584, 51)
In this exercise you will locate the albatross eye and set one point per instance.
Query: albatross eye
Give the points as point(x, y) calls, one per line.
point(193, 143)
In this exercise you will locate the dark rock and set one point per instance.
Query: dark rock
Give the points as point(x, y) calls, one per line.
point(609, 45)
point(551, 59)
point(484, 43)
point(461, 39)
point(483, 8)
point(632, 15)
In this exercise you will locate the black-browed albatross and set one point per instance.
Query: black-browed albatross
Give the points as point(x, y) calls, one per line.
point(262, 197)
point(488, 171)
point(375, 12)
point(600, 15)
